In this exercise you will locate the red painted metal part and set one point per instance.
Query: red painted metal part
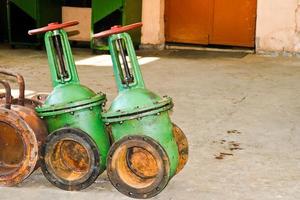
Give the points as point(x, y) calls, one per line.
point(52, 26)
point(117, 29)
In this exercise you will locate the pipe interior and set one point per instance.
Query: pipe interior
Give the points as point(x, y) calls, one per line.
point(136, 166)
point(11, 149)
point(69, 160)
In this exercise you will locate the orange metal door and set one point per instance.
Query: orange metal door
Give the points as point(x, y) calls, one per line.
point(233, 23)
point(187, 21)
point(221, 22)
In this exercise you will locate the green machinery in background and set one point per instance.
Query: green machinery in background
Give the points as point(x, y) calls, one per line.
point(3, 21)
point(30, 14)
point(107, 13)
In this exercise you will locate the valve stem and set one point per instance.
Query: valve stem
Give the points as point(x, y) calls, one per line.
point(128, 76)
point(58, 48)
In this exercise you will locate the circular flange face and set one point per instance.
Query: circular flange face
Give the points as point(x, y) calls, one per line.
point(183, 147)
point(19, 148)
point(138, 167)
point(70, 159)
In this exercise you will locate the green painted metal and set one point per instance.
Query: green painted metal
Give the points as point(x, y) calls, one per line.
point(38, 13)
point(3, 21)
point(28, 6)
point(56, 75)
point(138, 81)
point(71, 104)
point(136, 110)
point(102, 8)
point(131, 12)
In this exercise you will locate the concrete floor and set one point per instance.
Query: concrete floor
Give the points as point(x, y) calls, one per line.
point(222, 101)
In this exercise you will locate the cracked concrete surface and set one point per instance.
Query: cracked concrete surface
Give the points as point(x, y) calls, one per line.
point(244, 108)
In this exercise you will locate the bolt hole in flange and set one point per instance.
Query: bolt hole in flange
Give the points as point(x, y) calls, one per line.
point(71, 159)
point(11, 149)
point(137, 167)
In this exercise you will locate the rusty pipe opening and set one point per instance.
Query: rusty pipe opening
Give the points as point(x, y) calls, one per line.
point(140, 162)
point(12, 149)
point(21, 135)
point(71, 160)
point(138, 167)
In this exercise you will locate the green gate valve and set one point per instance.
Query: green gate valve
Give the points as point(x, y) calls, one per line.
point(76, 148)
point(148, 149)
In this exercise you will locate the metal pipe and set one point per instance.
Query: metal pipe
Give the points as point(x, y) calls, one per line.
point(21, 83)
point(7, 94)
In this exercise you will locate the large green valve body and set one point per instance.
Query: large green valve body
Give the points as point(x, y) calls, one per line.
point(145, 154)
point(76, 149)
point(141, 112)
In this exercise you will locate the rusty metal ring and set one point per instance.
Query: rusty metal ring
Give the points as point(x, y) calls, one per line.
point(50, 168)
point(30, 146)
point(183, 147)
point(127, 181)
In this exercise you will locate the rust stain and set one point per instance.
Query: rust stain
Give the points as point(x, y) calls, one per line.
point(234, 132)
point(222, 155)
point(183, 147)
point(69, 160)
point(21, 135)
point(142, 162)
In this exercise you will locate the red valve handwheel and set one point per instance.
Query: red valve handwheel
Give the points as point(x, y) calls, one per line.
point(117, 29)
point(52, 26)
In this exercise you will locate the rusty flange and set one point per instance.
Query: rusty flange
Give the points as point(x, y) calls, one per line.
point(138, 166)
point(183, 147)
point(22, 134)
point(71, 160)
